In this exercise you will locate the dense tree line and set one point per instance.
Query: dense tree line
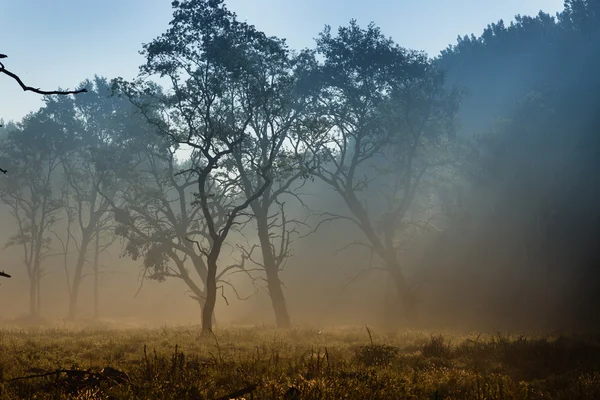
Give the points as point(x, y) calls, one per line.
point(203, 179)
point(532, 110)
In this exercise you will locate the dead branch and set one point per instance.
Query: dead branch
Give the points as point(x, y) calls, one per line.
point(4, 274)
point(331, 217)
point(107, 373)
point(352, 244)
point(36, 90)
point(239, 393)
point(32, 89)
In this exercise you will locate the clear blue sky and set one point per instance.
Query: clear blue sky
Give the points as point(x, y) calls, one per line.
point(59, 43)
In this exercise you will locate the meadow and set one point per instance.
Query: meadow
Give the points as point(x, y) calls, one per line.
point(301, 363)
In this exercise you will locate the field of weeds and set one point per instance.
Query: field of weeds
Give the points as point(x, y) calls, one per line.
point(261, 363)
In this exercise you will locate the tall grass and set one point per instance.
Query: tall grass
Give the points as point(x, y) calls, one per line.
point(263, 363)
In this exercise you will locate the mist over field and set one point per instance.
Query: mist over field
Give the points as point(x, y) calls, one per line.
point(354, 182)
point(195, 207)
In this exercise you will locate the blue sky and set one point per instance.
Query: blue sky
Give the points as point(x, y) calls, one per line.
point(60, 43)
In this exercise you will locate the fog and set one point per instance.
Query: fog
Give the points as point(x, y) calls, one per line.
point(503, 238)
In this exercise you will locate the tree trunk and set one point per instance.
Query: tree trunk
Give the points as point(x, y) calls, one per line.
point(409, 304)
point(96, 294)
point(282, 317)
point(78, 277)
point(202, 271)
point(37, 272)
point(38, 292)
point(211, 296)
point(74, 299)
point(34, 288)
point(96, 272)
point(202, 302)
point(391, 311)
point(32, 295)
point(403, 299)
point(399, 308)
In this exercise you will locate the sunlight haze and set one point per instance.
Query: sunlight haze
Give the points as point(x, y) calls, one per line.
point(300, 199)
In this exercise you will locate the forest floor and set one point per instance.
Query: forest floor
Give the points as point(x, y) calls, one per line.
point(301, 363)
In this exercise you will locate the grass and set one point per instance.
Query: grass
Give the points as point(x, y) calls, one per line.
point(263, 363)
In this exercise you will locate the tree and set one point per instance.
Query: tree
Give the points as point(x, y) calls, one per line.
point(515, 55)
point(89, 124)
point(534, 170)
point(38, 91)
point(157, 214)
point(389, 116)
point(209, 57)
point(285, 90)
point(35, 151)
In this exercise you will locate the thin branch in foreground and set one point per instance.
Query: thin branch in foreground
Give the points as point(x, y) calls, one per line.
point(32, 89)
point(36, 90)
point(4, 274)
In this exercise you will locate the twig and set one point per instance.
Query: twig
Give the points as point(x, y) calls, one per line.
point(361, 273)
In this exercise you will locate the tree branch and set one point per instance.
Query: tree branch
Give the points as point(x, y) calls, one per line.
point(36, 90)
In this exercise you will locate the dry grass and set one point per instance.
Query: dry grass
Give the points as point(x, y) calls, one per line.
point(262, 363)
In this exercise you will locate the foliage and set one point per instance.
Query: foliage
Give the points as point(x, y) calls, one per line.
point(214, 65)
point(90, 123)
point(533, 170)
point(34, 150)
point(389, 140)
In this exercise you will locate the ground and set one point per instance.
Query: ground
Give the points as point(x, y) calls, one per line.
point(301, 363)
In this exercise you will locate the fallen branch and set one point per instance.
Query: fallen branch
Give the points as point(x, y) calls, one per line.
point(107, 373)
point(238, 393)
point(68, 372)
point(4, 274)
